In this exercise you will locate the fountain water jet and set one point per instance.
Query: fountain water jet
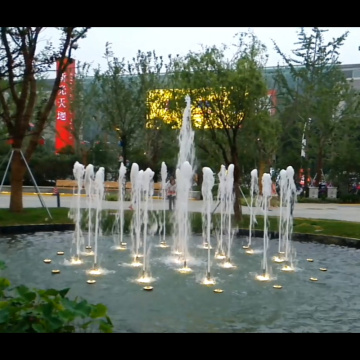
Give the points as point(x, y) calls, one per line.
point(98, 197)
point(282, 182)
point(75, 213)
point(290, 198)
point(136, 222)
point(146, 186)
point(89, 179)
point(266, 196)
point(162, 224)
point(206, 190)
point(254, 193)
point(220, 253)
point(182, 222)
point(118, 231)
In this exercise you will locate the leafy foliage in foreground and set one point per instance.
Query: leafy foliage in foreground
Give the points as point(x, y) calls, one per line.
point(24, 310)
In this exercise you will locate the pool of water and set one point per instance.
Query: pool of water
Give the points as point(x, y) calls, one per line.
point(180, 302)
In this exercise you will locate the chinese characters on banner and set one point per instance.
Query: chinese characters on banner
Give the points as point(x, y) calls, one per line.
point(64, 117)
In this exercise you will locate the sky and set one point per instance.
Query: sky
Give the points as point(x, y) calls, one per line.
point(126, 41)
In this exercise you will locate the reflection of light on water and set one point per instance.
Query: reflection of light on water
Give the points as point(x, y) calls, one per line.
point(96, 271)
point(145, 279)
point(185, 270)
point(206, 246)
point(88, 253)
point(227, 265)
point(119, 247)
point(278, 259)
point(264, 277)
point(287, 268)
point(73, 261)
point(99, 271)
point(208, 281)
point(163, 244)
point(249, 251)
point(136, 263)
point(177, 252)
point(220, 256)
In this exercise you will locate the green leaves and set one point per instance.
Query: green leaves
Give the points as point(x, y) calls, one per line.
point(24, 310)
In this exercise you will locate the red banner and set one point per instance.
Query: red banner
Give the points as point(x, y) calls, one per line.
point(273, 100)
point(64, 117)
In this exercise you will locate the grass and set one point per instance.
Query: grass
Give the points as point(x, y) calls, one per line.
point(34, 216)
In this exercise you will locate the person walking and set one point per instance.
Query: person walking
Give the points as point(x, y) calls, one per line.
point(171, 192)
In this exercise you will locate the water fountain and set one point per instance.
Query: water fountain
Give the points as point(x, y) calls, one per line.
point(246, 305)
point(162, 220)
point(206, 190)
point(89, 179)
point(254, 193)
point(282, 181)
point(289, 198)
point(266, 196)
point(118, 229)
point(98, 198)
point(75, 213)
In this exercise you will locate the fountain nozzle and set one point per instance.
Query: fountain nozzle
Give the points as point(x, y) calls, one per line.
point(208, 275)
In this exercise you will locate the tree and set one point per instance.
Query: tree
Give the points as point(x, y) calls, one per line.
point(22, 64)
point(123, 90)
point(312, 95)
point(229, 96)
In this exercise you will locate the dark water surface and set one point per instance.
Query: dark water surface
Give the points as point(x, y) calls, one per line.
point(180, 303)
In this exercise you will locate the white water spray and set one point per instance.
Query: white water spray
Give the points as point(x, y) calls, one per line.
point(98, 197)
point(206, 190)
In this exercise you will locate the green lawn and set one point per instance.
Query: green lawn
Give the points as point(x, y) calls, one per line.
point(301, 225)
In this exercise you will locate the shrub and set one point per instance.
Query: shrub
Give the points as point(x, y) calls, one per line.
point(24, 310)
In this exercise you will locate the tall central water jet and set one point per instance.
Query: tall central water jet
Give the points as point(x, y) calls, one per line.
point(184, 178)
point(186, 137)
point(182, 223)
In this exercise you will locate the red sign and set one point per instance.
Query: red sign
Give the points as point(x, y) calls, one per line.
point(64, 116)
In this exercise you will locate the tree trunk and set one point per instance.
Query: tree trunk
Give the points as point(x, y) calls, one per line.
point(319, 170)
point(18, 169)
point(261, 173)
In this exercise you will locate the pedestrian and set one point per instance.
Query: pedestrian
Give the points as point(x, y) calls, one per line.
point(171, 192)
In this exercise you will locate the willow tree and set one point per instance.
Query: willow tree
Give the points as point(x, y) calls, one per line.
point(315, 91)
point(22, 63)
point(228, 96)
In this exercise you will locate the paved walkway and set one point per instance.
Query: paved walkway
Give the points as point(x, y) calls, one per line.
point(331, 211)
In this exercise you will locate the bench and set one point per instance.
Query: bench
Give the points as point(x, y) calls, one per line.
point(66, 184)
point(108, 185)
